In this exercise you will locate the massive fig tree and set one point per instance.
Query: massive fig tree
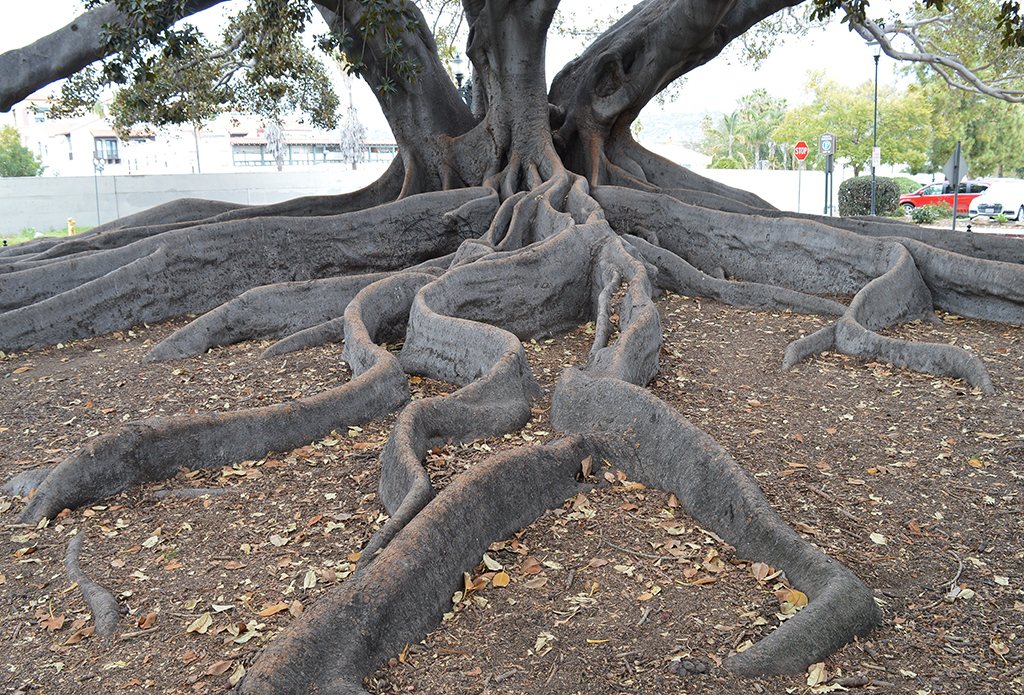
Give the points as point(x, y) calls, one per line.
point(537, 215)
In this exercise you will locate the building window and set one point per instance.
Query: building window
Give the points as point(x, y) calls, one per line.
point(250, 156)
point(106, 150)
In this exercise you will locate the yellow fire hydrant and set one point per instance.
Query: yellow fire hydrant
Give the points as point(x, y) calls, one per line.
point(71, 226)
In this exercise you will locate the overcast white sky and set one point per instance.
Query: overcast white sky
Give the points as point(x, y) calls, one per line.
point(714, 87)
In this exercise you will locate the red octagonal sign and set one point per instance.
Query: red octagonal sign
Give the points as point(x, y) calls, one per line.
point(800, 150)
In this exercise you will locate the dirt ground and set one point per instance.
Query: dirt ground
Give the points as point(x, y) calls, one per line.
point(914, 482)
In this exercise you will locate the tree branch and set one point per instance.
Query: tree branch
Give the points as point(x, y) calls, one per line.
point(65, 51)
point(954, 72)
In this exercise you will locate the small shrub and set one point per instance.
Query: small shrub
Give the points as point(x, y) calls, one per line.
point(1001, 217)
point(929, 214)
point(855, 196)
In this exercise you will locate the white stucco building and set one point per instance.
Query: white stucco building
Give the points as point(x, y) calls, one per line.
point(87, 145)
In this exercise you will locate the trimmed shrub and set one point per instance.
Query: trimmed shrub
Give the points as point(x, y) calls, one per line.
point(929, 214)
point(855, 196)
point(906, 184)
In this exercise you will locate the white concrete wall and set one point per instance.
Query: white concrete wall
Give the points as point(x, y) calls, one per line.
point(796, 191)
point(45, 204)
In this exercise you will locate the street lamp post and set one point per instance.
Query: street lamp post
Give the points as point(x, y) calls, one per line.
point(874, 143)
point(97, 169)
point(466, 92)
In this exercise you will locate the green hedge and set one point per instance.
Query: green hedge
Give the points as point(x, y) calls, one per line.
point(855, 196)
point(906, 184)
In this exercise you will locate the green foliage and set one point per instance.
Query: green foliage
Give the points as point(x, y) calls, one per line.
point(15, 158)
point(991, 132)
point(855, 196)
point(173, 75)
point(386, 21)
point(904, 126)
point(906, 184)
point(743, 137)
point(929, 214)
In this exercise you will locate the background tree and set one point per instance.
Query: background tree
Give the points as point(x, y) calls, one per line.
point(904, 123)
point(274, 134)
point(725, 141)
point(749, 128)
point(541, 214)
point(991, 131)
point(15, 158)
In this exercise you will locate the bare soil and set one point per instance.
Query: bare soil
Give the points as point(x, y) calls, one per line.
point(914, 482)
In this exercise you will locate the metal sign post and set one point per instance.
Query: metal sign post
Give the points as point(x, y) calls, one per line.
point(955, 171)
point(800, 152)
point(827, 147)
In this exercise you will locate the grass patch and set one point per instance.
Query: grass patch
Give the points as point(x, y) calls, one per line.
point(30, 234)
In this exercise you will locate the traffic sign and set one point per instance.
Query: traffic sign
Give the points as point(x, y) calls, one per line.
point(827, 143)
point(956, 167)
point(800, 151)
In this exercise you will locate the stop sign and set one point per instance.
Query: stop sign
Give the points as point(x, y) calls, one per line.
point(800, 151)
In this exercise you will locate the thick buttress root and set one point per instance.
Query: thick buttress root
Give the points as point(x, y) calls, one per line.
point(894, 279)
point(898, 295)
point(668, 453)
point(155, 449)
point(345, 635)
point(173, 273)
point(406, 590)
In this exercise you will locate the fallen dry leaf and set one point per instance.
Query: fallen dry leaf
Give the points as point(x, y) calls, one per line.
point(53, 623)
point(587, 467)
point(531, 565)
point(273, 609)
point(218, 668)
point(760, 571)
point(200, 624)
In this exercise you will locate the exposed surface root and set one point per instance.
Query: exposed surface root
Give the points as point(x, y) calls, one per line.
point(403, 594)
point(104, 606)
point(186, 212)
point(155, 449)
point(670, 454)
point(810, 257)
point(665, 174)
point(681, 277)
point(633, 357)
point(195, 269)
point(268, 312)
point(898, 295)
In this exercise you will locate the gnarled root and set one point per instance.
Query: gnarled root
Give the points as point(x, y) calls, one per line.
point(670, 454)
point(104, 606)
point(194, 269)
point(268, 312)
point(682, 278)
point(900, 294)
point(403, 594)
point(155, 449)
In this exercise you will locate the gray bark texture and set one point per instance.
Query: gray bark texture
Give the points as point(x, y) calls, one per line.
point(539, 215)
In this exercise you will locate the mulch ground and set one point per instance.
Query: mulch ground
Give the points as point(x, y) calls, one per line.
point(914, 482)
